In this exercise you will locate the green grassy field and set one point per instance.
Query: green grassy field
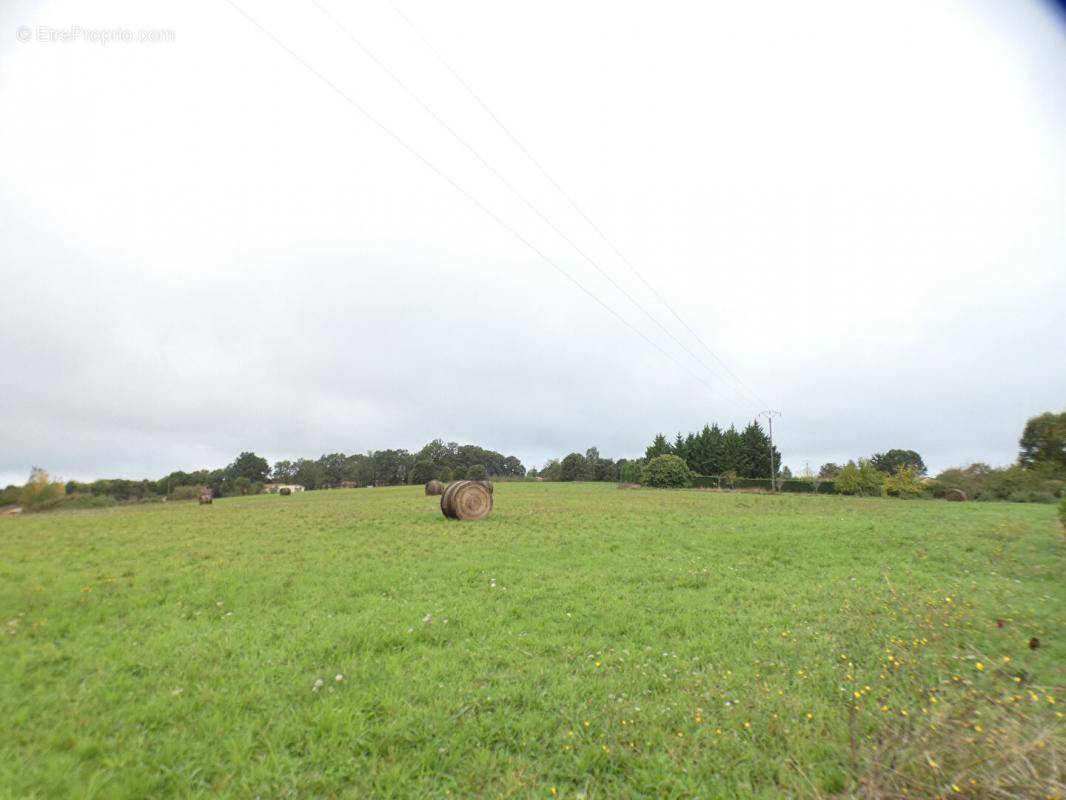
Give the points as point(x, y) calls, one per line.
point(582, 641)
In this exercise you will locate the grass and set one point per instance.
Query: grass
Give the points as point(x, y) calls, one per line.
point(580, 641)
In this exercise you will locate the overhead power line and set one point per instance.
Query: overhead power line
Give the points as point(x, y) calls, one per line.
point(498, 220)
point(513, 189)
point(414, 28)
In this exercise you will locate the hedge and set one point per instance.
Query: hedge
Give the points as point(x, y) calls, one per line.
point(787, 485)
point(705, 481)
point(752, 483)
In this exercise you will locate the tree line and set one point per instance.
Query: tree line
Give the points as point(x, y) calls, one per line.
point(1037, 476)
point(710, 451)
point(589, 466)
point(743, 457)
point(438, 459)
point(888, 463)
point(248, 473)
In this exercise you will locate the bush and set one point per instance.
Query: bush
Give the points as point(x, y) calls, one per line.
point(827, 487)
point(244, 486)
point(666, 472)
point(1031, 496)
point(706, 481)
point(629, 471)
point(10, 495)
point(85, 500)
point(120, 489)
point(40, 493)
point(862, 479)
point(982, 482)
point(184, 493)
point(904, 483)
point(796, 486)
point(872, 480)
point(847, 480)
point(477, 472)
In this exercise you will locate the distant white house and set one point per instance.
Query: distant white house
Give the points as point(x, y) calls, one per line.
point(274, 488)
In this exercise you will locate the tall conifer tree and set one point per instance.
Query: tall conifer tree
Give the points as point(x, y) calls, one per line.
point(659, 447)
point(733, 455)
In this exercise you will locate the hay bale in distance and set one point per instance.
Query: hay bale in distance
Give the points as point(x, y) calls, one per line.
point(206, 498)
point(434, 487)
point(466, 500)
point(284, 490)
point(955, 495)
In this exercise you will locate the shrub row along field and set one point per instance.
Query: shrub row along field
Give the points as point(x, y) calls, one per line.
point(581, 641)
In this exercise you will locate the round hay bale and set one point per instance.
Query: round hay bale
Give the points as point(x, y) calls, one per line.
point(434, 487)
point(487, 484)
point(206, 498)
point(284, 490)
point(466, 500)
point(446, 499)
point(955, 495)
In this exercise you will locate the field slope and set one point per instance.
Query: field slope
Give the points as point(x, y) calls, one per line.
point(582, 641)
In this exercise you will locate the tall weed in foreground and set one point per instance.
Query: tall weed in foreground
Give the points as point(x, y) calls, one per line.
point(928, 721)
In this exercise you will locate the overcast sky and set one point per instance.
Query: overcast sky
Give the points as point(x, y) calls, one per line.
point(860, 208)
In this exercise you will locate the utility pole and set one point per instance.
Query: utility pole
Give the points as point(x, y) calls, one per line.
point(770, 414)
